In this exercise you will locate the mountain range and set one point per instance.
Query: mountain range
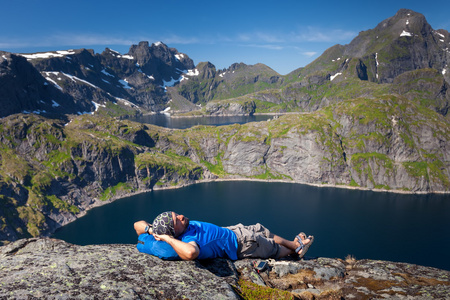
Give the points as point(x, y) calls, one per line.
point(372, 114)
point(154, 78)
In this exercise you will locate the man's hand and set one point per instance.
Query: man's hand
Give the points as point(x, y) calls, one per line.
point(162, 237)
point(150, 230)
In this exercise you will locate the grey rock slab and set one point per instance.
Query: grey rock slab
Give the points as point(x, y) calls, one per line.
point(56, 269)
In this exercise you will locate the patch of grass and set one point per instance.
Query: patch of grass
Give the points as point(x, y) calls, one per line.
point(416, 169)
point(62, 205)
point(268, 175)
point(216, 169)
point(361, 164)
point(113, 190)
point(353, 183)
point(250, 291)
point(33, 218)
point(16, 167)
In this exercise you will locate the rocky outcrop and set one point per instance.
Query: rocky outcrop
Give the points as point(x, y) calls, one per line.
point(48, 268)
point(233, 108)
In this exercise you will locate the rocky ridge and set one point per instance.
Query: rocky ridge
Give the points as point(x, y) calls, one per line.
point(37, 268)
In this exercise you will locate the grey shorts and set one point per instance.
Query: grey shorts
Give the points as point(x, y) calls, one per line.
point(255, 241)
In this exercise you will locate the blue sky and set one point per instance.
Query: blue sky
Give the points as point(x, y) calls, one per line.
point(284, 35)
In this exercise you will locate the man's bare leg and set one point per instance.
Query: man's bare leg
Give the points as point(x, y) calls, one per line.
point(288, 247)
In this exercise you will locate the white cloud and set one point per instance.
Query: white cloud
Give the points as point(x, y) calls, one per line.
point(265, 46)
point(62, 40)
point(309, 53)
point(315, 34)
point(275, 40)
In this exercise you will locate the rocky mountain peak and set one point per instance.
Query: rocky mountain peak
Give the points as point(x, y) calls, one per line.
point(405, 23)
point(159, 60)
point(404, 42)
point(206, 70)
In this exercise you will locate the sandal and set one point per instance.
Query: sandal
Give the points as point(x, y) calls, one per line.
point(303, 246)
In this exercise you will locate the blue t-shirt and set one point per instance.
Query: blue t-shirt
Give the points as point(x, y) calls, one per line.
point(212, 240)
point(148, 244)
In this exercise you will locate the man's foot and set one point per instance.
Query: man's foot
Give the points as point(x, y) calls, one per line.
point(304, 243)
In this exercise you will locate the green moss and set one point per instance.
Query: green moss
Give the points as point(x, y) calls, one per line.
point(250, 291)
point(361, 163)
point(56, 163)
point(353, 183)
point(267, 175)
point(62, 205)
point(33, 218)
point(433, 169)
point(113, 190)
point(416, 169)
point(15, 167)
point(216, 169)
point(41, 181)
point(169, 164)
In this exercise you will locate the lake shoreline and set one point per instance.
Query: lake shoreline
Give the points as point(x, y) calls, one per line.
point(161, 188)
point(98, 202)
point(298, 182)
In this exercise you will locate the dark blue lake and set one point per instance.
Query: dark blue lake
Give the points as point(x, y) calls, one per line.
point(183, 123)
point(374, 225)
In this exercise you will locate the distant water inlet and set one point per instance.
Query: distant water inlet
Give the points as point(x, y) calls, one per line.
point(374, 225)
point(187, 122)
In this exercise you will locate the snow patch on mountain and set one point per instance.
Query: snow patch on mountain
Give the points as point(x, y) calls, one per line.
point(334, 76)
point(179, 56)
point(74, 78)
point(106, 73)
point(47, 54)
point(125, 84)
point(406, 33)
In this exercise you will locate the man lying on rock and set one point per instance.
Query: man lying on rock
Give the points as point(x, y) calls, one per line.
point(173, 236)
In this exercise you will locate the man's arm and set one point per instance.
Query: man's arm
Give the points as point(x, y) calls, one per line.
point(186, 251)
point(140, 227)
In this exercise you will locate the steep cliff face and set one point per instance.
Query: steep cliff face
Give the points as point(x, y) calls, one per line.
point(386, 143)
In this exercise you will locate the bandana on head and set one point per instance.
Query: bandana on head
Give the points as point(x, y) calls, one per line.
point(163, 224)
